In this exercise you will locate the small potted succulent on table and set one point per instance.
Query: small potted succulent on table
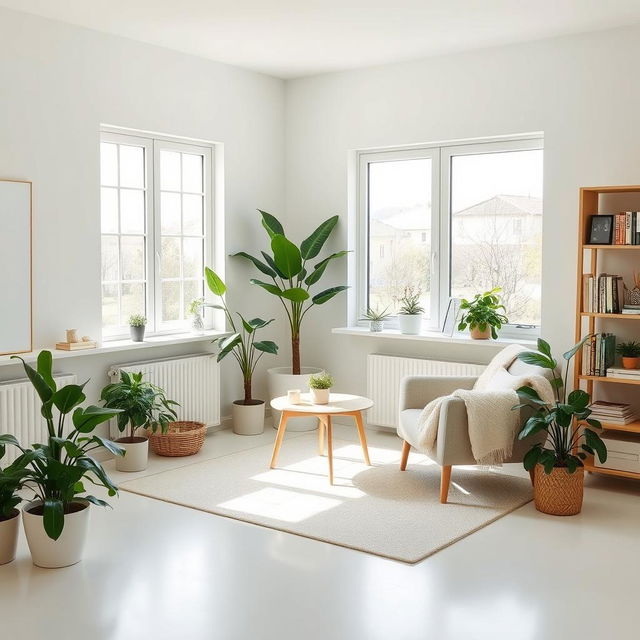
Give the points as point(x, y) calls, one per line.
point(10, 483)
point(376, 319)
point(483, 315)
point(195, 312)
point(137, 325)
point(630, 352)
point(320, 386)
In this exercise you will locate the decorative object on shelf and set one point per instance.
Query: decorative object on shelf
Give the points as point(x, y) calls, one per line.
point(73, 343)
point(293, 396)
point(137, 325)
point(320, 387)
point(451, 316)
point(598, 354)
point(630, 353)
point(56, 521)
point(195, 311)
point(72, 335)
point(632, 296)
point(376, 319)
point(184, 438)
point(601, 229)
point(482, 315)
point(10, 483)
point(557, 465)
point(141, 405)
point(410, 312)
point(248, 413)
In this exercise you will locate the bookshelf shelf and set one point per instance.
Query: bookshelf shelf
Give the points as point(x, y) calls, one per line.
point(612, 247)
point(607, 379)
point(612, 316)
point(589, 466)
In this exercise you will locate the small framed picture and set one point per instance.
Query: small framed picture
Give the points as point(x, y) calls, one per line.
point(453, 309)
point(601, 229)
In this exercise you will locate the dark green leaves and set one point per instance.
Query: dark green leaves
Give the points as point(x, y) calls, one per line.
point(594, 441)
point(320, 267)
point(87, 419)
point(53, 517)
point(572, 352)
point(271, 288)
point(532, 456)
point(267, 346)
point(296, 294)
point(286, 256)
point(214, 282)
point(579, 400)
point(43, 389)
point(327, 294)
point(45, 368)
point(261, 266)
point(311, 247)
point(68, 397)
point(271, 224)
point(537, 359)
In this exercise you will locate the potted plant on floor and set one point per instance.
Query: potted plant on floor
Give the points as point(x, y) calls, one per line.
point(137, 325)
point(56, 521)
point(292, 277)
point(410, 312)
point(140, 405)
point(558, 463)
point(248, 413)
point(376, 319)
point(320, 387)
point(483, 315)
point(630, 352)
point(10, 483)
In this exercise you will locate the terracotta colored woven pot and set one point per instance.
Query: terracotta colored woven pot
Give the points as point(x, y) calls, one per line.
point(181, 439)
point(559, 493)
point(477, 334)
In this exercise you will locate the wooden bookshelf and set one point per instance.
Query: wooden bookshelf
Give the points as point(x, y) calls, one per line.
point(589, 205)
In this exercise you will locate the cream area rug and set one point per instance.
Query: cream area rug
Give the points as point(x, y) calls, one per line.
point(378, 509)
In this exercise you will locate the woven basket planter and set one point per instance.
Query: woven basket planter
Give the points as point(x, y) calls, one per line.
point(181, 439)
point(559, 493)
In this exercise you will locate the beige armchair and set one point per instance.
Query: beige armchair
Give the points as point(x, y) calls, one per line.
point(453, 446)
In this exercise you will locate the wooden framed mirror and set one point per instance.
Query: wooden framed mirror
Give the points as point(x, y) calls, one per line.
point(16, 333)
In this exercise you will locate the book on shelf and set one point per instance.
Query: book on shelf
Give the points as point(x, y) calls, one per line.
point(626, 228)
point(630, 311)
point(603, 293)
point(626, 374)
point(598, 354)
point(615, 413)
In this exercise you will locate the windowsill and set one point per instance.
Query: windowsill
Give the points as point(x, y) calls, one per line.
point(430, 336)
point(112, 346)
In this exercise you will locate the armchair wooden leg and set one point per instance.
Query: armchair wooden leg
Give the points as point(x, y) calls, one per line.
point(445, 479)
point(406, 447)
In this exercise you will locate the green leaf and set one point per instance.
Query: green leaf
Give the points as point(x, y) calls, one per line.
point(230, 341)
point(109, 445)
point(271, 288)
point(44, 391)
point(53, 518)
point(533, 425)
point(271, 224)
point(319, 268)
point(286, 256)
point(327, 294)
point(267, 346)
point(579, 399)
point(529, 393)
point(45, 368)
point(247, 327)
point(544, 347)
point(269, 260)
point(97, 501)
point(596, 424)
point(259, 323)
point(312, 246)
point(214, 282)
point(296, 294)
point(531, 458)
point(572, 352)
point(548, 460)
point(573, 463)
point(261, 266)
point(68, 397)
point(87, 419)
point(593, 440)
point(537, 359)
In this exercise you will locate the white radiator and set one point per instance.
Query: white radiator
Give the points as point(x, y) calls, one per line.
point(384, 374)
point(193, 381)
point(20, 413)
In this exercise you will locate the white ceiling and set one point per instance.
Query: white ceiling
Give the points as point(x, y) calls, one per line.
point(291, 38)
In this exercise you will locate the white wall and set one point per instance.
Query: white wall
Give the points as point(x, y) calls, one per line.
point(58, 83)
point(580, 91)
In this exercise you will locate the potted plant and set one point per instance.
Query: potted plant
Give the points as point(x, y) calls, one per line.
point(137, 325)
point(195, 311)
point(248, 413)
point(630, 352)
point(482, 315)
point(557, 465)
point(56, 521)
point(410, 313)
point(10, 483)
point(376, 319)
point(320, 386)
point(140, 405)
point(292, 277)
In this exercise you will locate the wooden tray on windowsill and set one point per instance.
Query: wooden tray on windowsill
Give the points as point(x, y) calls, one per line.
point(76, 346)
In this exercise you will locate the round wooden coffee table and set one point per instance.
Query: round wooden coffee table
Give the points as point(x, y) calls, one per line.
point(340, 404)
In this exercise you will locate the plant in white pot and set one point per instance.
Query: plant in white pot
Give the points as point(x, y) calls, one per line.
point(137, 326)
point(141, 406)
point(320, 387)
point(376, 319)
point(410, 312)
point(10, 483)
point(56, 521)
point(248, 413)
point(292, 277)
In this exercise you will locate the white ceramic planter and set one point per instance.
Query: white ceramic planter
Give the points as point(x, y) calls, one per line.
point(279, 381)
point(410, 325)
point(9, 537)
point(319, 396)
point(248, 419)
point(64, 551)
point(136, 455)
point(375, 326)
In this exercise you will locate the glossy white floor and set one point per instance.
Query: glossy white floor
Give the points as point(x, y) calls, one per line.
point(154, 570)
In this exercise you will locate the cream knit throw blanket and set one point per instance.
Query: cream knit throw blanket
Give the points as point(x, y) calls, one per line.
point(492, 422)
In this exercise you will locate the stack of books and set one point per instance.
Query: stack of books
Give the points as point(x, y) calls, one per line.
point(598, 354)
point(627, 228)
point(625, 374)
point(631, 309)
point(603, 294)
point(615, 413)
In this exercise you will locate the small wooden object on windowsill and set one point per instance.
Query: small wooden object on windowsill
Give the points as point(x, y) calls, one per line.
point(73, 344)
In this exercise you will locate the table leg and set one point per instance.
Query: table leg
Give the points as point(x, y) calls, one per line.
point(363, 438)
point(282, 427)
point(321, 429)
point(330, 448)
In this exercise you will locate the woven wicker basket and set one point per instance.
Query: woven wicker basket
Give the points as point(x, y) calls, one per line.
point(181, 439)
point(560, 492)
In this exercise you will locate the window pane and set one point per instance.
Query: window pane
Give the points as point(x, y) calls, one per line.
point(170, 301)
point(192, 172)
point(108, 164)
point(192, 218)
point(110, 305)
point(399, 232)
point(170, 258)
point(109, 210)
point(193, 266)
point(496, 229)
point(192, 289)
point(131, 211)
point(132, 249)
point(132, 301)
point(131, 166)
point(170, 170)
point(170, 213)
point(110, 261)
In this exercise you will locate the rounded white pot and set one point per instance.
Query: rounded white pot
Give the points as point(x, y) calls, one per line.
point(136, 456)
point(279, 381)
point(248, 419)
point(68, 548)
point(410, 325)
point(9, 537)
point(319, 396)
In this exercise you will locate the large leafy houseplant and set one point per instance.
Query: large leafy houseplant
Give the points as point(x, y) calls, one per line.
point(292, 276)
point(483, 312)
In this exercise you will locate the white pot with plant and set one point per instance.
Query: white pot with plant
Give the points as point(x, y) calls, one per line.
point(292, 277)
point(195, 313)
point(56, 521)
point(141, 406)
point(248, 413)
point(137, 325)
point(10, 483)
point(483, 315)
point(320, 387)
point(410, 312)
point(376, 319)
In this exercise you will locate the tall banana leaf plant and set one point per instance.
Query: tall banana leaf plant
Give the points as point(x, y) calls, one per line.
point(292, 275)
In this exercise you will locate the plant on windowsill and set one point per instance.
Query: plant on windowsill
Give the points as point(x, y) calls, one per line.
point(557, 465)
point(410, 312)
point(483, 315)
point(194, 310)
point(376, 319)
point(10, 483)
point(320, 387)
point(630, 353)
point(137, 325)
point(248, 413)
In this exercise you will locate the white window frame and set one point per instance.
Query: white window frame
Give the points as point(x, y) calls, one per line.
point(153, 144)
point(440, 155)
